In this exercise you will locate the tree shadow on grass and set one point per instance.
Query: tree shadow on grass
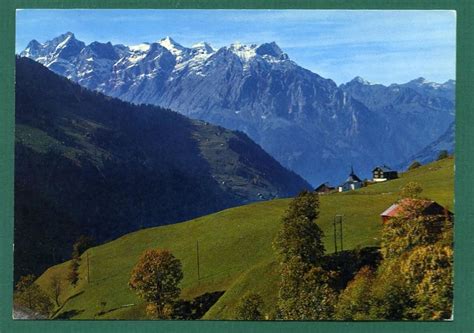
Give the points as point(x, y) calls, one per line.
point(55, 314)
point(196, 308)
point(347, 263)
point(68, 314)
point(184, 309)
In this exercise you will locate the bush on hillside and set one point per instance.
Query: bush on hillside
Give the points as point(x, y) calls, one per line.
point(250, 308)
point(443, 154)
point(414, 165)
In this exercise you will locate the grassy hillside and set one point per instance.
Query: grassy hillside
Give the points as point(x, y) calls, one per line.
point(235, 245)
point(105, 168)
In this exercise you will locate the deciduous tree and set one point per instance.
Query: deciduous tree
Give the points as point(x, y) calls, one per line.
point(390, 295)
point(55, 286)
point(305, 292)
point(30, 295)
point(354, 302)
point(156, 278)
point(428, 271)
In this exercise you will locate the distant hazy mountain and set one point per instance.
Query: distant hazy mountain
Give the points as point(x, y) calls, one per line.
point(305, 121)
point(416, 111)
point(431, 152)
point(89, 164)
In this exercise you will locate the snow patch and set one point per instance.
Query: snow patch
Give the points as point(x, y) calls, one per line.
point(63, 43)
point(144, 47)
point(203, 47)
point(244, 52)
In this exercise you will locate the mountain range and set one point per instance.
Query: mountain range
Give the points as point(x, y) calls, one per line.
point(308, 123)
point(89, 164)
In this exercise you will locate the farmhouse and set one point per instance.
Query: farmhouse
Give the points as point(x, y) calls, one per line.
point(427, 208)
point(324, 188)
point(383, 173)
point(352, 183)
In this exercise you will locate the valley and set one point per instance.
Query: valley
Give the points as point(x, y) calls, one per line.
point(87, 164)
point(235, 247)
point(306, 122)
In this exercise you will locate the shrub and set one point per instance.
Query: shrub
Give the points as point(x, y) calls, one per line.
point(443, 154)
point(250, 307)
point(411, 190)
point(414, 165)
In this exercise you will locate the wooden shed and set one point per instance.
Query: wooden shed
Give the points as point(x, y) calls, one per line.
point(428, 207)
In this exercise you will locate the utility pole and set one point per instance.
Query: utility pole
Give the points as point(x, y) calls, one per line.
point(340, 225)
point(197, 257)
point(338, 220)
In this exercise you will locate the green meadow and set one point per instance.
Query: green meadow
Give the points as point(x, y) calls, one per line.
point(235, 249)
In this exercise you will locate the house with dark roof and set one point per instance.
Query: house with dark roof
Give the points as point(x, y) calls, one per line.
point(324, 188)
point(352, 183)
point(383, 173)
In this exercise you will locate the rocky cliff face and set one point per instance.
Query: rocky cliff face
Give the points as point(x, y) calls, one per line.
point(305, 121)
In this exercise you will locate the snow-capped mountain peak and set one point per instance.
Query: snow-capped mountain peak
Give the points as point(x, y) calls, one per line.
point(203, 47)
point(180, 52)
point(422, 83)
point(256, 89)
point(268, 51)
point(60, 39)
point(144, 47)
point(67, 35)
point(32, 49)
point(170, 43)
point(243, 51)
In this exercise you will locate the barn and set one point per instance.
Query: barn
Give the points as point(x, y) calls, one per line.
point(428, 207)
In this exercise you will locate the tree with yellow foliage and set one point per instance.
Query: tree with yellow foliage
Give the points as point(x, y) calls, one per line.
point(155, 278)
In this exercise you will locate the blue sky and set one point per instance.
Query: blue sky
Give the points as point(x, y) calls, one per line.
point(380, 46)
